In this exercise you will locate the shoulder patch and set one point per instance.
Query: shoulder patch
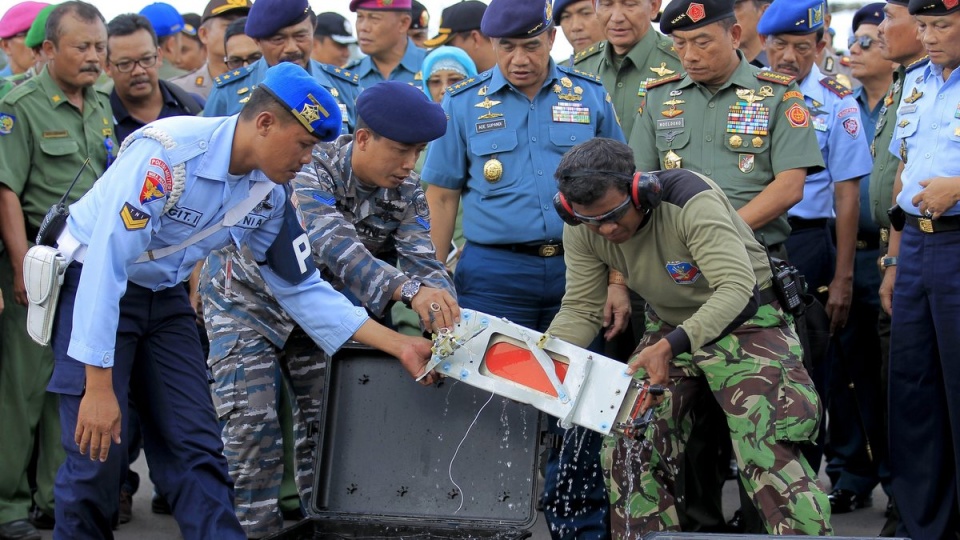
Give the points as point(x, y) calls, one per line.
point(468, 83)
point(774, 77)
point(664, 80)
point(341, 73)
point(919, 63)
point(581, 74)
point(231, 76)
point(835, 86)
point(588, 52)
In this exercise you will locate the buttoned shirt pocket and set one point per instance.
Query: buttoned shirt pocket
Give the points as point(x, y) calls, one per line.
point(907, 127)
point(672, 139)
point(495, 166)
point(566, 135)
point(59, 147)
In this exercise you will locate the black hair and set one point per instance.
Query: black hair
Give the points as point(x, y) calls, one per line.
point(588, 170)
point(236, 27)
point(362, 124)
point(128, 24)
point(262, 100)
point(82, 10)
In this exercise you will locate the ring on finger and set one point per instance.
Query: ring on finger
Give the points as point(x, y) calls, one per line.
point(928, 213)
point(434, 306)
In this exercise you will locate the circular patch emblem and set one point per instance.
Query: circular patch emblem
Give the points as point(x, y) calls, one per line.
point(798, 116)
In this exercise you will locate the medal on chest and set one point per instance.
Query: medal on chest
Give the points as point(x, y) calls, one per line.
point(748, 116)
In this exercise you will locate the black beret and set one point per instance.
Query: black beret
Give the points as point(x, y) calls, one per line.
point(517, 18)
point(933, 7)
point(388, 106)
point(687, 15)
point(267, 17)
point(868, 14)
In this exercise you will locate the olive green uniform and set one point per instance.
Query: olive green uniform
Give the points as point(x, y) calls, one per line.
point(754, 127)
point(700, 269)
point(9, 83)
point(625, 77)
point(43, 142)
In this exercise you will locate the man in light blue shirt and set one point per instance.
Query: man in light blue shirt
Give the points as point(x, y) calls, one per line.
point(390, 54)
point(123, 323)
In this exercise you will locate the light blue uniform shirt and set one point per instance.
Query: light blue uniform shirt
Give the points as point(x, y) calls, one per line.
point(928, 127)
point(492, 120)
point(232, 89)
point(844, 146)
point(109, 220)
point(407, 71)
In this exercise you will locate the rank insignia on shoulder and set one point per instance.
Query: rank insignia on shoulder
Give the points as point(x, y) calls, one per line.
point(663, 80)
point(835, 86)
point(774, 77)
point(133, 218)
point(6, 123)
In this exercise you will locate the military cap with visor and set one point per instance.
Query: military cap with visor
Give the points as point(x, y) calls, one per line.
point(460, 17)
point(216, 8)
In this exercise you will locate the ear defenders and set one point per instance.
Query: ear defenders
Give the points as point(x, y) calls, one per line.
point(645, 193)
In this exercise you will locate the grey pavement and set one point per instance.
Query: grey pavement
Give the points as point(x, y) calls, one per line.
point(149, 526)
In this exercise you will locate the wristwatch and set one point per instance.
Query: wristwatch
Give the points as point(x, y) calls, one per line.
point(408, 290)
point(887, 262)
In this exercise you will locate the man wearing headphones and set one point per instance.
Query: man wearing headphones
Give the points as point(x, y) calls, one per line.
point(714, 325)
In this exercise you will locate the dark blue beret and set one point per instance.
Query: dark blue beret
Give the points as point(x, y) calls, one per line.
point(267, 17)
point(558, 7)
point(792, 17)
point(517, 18)
point(868, 14)
point(686, 15)
point(932, 7)
point(309, 102)
point(401, 113)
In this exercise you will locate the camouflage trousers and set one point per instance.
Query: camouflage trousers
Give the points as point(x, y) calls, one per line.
point(757, 377)
point(247, 369)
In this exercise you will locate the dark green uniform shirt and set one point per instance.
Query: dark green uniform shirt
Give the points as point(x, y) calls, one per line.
point(884, 163)
point(651, 58)
point(44, 140)
point(755, 127)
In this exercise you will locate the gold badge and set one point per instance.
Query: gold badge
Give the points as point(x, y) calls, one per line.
point(914, 96)
point(673, 110)
point(903, 150)
point(765, 91)
point(736, 141)
point(749, 96)
point(566, 82)
point(903, 123)
point(672, 160)
point(493, 170)
point(757, 142)
point(482, 91)
point(662, 71)
point(242, 91)
point(487, 103)
point(336, 93)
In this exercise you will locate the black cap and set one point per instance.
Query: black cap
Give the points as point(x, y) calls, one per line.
point(933, 7)
point(191, 22)
point(868, 14)
point(460, 17)
point(687, 14)
point(419, 16)
point(898, 2)
point(216, 8)
point(335, 26)
point(517, 18)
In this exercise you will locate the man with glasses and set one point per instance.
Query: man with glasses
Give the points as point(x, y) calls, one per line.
point(239, 48)
point(48, 126)
point(284, 32)
point(213, 23)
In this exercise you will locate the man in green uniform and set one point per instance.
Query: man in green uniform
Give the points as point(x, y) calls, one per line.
point(48, 126)
point(714, 326)
point(632, 54)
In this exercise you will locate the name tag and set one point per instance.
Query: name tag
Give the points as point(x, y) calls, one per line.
point(670, 123)
point(483, 127)
point(56, 134)
point(907, 109)
point(186, 216)
point(251, 221)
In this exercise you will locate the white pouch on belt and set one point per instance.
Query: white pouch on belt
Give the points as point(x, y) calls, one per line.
point(43, 269)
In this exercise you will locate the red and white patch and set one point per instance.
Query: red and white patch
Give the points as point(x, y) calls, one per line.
point(153, 188)
point(851, 110)
point(167, 176)
point(798, 116)
point(852, 127)
point(950, 4)
point(697, 12)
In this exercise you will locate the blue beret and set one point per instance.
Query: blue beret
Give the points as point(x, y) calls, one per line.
point(309, 102)
point(792, 17)
point(932, 7)
point(267, 17)
point(687, 15)
point(164, 18)
point(517, 18)
point(388, 107)
point(558, 7)
point(868, 14)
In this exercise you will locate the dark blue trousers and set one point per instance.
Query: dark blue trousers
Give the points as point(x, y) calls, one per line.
point(924, 388)
point(159, 360)
point(527, 290)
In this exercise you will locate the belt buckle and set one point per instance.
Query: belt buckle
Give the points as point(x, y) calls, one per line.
point(548, 250)
point(861, 244)
point(926, 224)
point(885, 235)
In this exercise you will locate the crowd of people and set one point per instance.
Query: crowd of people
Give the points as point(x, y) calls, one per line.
point(253, 186)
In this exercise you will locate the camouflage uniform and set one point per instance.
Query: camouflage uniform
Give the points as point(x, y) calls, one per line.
point(354, 231)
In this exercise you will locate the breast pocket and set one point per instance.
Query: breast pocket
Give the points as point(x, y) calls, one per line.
point(672, 139)
point(570, 134)
point(904, 131)
point(490, 164)
point(59, 147)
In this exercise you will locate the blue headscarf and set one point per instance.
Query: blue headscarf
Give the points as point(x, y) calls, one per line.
point(446, 57)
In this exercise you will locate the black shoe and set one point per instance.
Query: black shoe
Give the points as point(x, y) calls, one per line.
point(159, 505)
point(735, 525)
point(843, 501)
point(42, 520)
point(293, 515)
point(126, 507)
point(20, 529)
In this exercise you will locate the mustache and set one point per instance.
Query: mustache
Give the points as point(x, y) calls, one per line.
point(292, 58)
point(794, 67)
point(139, 80)
point(90, 69)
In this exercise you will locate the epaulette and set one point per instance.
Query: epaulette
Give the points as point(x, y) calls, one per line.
point(20, 90)
point(919, 63)
point(664, 80)
point(665, 44)
point(835, 86)
point(231, 76)
point(589, 51)
point(468, 83)
point(774, 77)
point(341, 73)
point(581, 74)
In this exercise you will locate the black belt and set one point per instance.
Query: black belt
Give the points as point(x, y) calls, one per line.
point(32, 232)
point(540, 250)
point(767, 296)
point(941, 224)
point(868, 240)
point(798, 224)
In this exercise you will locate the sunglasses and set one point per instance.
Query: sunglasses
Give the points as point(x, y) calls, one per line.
point(609, 217)
point(865, 42)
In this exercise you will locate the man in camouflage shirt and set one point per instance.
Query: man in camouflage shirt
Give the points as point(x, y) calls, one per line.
point(365, 214)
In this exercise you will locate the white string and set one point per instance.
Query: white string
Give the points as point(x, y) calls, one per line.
point(450, 467)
